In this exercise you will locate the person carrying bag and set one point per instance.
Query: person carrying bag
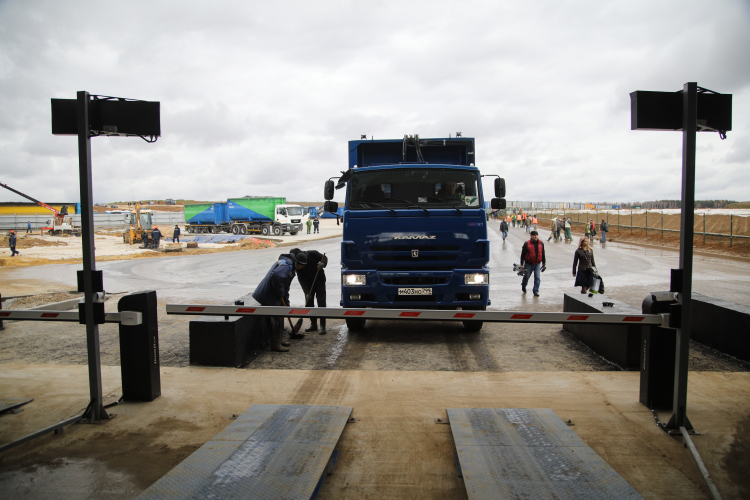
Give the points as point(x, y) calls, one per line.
point(584, 265)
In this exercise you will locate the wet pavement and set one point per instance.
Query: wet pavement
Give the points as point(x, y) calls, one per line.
point(629, 273)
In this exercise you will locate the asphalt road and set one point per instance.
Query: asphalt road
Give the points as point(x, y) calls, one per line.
point(629, 273)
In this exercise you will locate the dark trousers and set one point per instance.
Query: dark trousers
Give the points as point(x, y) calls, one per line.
point(320, 295)
point(28, 230)
point(156, 242)
point(13, 254)
point(175, 238)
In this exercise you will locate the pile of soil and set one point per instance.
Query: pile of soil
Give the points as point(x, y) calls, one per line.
point(31, 241)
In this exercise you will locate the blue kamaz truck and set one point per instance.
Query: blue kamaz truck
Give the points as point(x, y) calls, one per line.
point(415, 226)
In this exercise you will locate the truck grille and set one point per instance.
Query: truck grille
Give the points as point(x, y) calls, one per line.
point(296, 221)
point(403, 253)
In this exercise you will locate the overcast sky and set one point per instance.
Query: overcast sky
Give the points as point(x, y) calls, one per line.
point(260, 98)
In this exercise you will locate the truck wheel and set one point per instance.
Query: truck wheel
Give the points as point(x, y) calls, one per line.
point(211, 230)
point(292, 232)
point(472, 325)
point(355, 324)
point(277, 230)
point(265, 231)
point(243, 229)
point(235, 229)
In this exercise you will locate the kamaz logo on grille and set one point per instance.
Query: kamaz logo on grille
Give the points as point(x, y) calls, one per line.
point(420, 237)
point(415, 253)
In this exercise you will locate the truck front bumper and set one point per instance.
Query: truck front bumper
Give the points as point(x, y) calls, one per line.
point(448, 290)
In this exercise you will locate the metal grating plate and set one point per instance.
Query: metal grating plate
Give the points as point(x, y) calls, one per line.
point(529, 454)
point(270, 451)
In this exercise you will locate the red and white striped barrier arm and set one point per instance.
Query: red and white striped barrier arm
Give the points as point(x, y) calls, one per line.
point(417, 314)
point(124, 317)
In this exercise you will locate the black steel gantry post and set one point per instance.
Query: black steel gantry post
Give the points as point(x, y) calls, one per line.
point(96, 409)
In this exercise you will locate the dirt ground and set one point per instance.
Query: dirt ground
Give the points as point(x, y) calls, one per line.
point(395, 449)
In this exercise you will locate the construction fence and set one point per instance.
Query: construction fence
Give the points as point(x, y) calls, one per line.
point(728, 228)
point(19, 222)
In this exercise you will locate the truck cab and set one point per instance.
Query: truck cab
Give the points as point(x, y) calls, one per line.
point(289, 218)
point(415, 227)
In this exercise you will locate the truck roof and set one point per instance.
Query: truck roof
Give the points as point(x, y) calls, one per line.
point(412, 150)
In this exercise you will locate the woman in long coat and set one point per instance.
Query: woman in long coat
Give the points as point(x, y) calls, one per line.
point(583, 262)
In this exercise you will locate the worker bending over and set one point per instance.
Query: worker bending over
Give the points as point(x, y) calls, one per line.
point(273, 290)
point(312, 279)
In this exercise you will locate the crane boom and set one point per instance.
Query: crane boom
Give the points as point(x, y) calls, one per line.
point(40, 203)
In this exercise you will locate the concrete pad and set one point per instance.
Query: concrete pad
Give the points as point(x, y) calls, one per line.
point(394, 450)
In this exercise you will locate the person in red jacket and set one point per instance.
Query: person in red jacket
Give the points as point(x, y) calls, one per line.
point(534, 259)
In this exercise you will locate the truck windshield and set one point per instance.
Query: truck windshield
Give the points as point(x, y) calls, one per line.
point(292, 211)
point(423, 187)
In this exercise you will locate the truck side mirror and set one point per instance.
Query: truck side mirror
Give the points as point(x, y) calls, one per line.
point(331, 206)
point(498, 203)
point(328, 191)
point(500, 188)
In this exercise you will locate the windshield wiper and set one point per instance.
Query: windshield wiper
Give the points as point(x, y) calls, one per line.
point(444, 201)
point(375, 205)
point(411, 204)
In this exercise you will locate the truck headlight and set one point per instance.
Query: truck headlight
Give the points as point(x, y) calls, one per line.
point(354, 279)
point(476, 279)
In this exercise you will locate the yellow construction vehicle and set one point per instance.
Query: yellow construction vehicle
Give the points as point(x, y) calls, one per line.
point(590, 206)
point(140, 223)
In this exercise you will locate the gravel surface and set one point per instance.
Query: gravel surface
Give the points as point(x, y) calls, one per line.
point(38, 300)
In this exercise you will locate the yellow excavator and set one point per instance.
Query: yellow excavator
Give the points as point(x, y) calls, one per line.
point(140, 221)
point(590, 206)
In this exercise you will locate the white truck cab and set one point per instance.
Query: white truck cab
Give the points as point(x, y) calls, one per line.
point(289, 217)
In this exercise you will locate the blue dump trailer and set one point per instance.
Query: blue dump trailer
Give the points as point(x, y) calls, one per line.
point(415, 226)
point(264, 215)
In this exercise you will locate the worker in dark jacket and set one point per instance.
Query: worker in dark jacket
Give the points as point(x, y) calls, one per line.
point(156, 236)
point(144, 238)
point(273, 290)
point(534, 259)
point(312, 272)
point(12, 244)
point(176, 234)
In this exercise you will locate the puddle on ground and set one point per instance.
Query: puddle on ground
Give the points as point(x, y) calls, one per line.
point(66, 478)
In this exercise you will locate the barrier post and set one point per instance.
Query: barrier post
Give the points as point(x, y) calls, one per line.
point(139, 349)
point(731, 231)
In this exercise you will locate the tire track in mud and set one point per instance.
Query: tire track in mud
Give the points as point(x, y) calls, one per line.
point(482, 356)
point(322, 387)
point(456, 346)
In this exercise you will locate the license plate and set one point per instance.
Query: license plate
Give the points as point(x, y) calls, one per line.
point(415, 291)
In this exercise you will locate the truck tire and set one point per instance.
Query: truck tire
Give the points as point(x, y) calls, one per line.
point(355, 324)
point(211, 229)
point(472, 325)
point(235, 229)
point(277, 230)
point(265, 231)
point(243, 229)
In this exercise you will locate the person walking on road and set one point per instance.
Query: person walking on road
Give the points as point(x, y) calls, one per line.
point(553, 230)
point(604, 227)
point(568, 226)
point(176, 234)
point(583, 265)
point(309, 225)
point(558, 229)
point(527, 223)
point(273, 290)
point(156, 236)
point(587, 232)
point(28, 227)
point(312, 273)
point(513, 220)
point(12, 244)
point(534, 222)
point(316, 226)
point(504, 229)
point(534, 260)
